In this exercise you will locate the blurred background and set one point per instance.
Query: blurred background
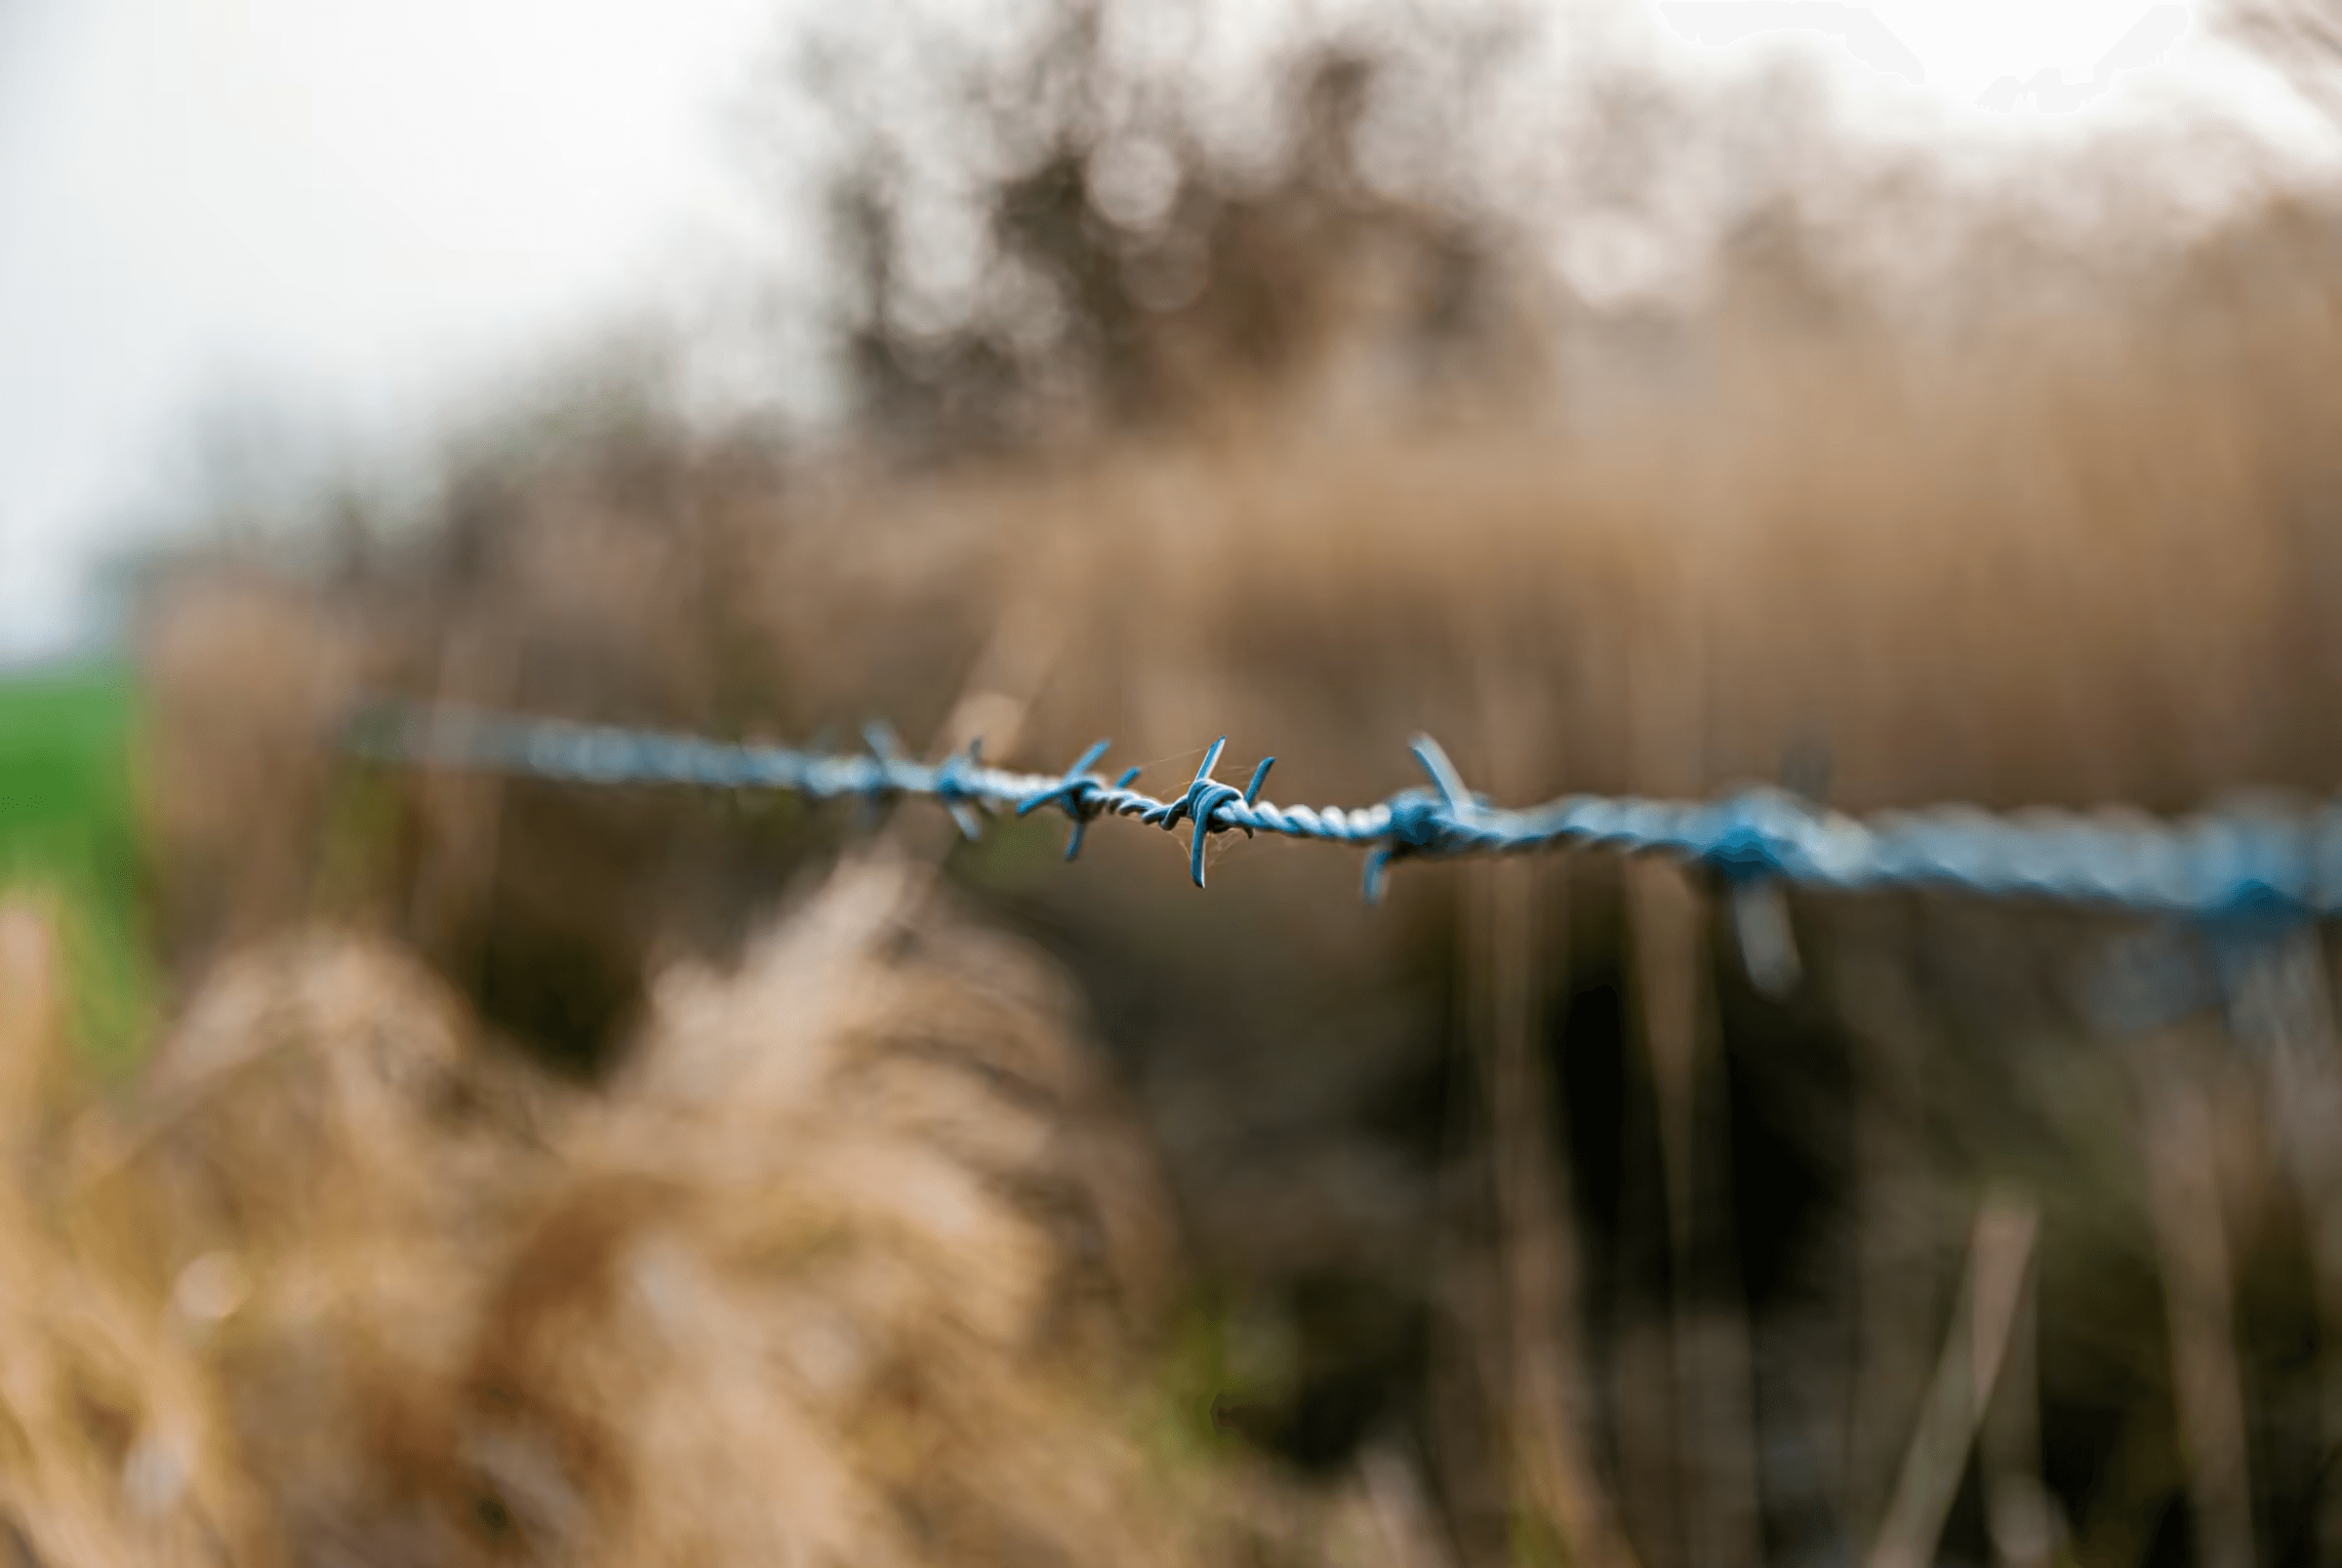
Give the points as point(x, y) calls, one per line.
point(1904, 403)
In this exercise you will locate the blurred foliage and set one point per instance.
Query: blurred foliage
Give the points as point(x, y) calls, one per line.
point(68, 826)
point(1124, 268)
point(2080, 545)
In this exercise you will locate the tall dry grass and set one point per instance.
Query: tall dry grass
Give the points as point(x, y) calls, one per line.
point(1544, 1233)
point(856, 1261)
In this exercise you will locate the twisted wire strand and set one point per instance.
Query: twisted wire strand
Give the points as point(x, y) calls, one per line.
point(2252, 862)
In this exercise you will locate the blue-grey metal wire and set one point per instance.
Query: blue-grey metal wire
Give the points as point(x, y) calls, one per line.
point(2248, 863)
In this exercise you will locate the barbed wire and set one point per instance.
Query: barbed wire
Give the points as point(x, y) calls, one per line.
point(2257, 862)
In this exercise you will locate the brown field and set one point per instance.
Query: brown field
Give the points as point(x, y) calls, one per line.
point(537, 1174)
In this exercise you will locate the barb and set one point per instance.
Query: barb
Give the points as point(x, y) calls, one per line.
point(2246, 869)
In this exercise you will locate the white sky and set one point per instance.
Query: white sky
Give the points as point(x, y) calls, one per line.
point(352, 207)
point(1966, 45)
point(362, 208)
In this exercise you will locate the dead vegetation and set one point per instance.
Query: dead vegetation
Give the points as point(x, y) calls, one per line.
point(855, 1262)
point(1524, 1227)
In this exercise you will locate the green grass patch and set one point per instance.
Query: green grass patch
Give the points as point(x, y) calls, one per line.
point(68, 832)
point(1220, 1359)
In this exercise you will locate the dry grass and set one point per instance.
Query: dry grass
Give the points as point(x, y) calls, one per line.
point(839, 1243)
point(855, 1262)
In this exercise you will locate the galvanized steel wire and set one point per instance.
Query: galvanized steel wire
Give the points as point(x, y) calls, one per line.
point(2263, 864)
